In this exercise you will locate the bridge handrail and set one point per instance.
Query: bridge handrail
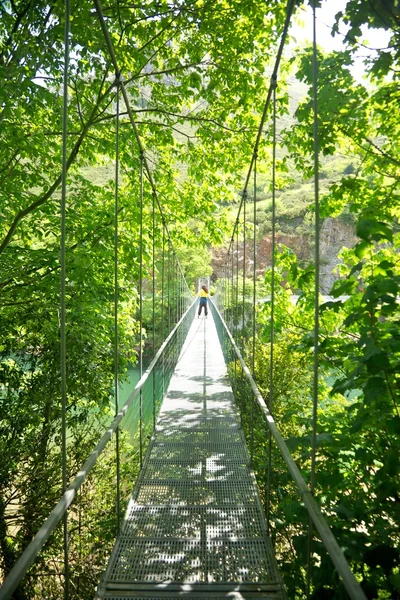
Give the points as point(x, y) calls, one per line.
point(30, 553)
point(351, 585)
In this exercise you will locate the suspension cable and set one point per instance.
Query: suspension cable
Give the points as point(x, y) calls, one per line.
point(116, 348)
point(272, 317)
point(141, 309)
point(289, 11)
point(153, 211)
point(316, 300)
point(147, 169)
point(253, 345)
point(244, 268)
point(63, 341)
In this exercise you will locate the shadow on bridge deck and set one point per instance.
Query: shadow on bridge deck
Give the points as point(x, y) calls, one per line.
point(194, 527)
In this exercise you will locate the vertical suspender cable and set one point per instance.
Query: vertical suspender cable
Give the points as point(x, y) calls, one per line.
point(141, 308)
point(272, 322)
point(232, 289)
point(253, 350)
point(237, 299)
point(63, 344)
point(224, 289)
point(169, 286)
point(181, 292)
point(180, 298)
point(182, 295)
point(153, 208)
point(177, 294)
point(178, 290)
point(316, 304)
point(317, 258)
point(228, 292)
point(226, 302)
point(176, 287)
point(116, 208)
point(237, 278)
point(253, 354)
point(175, 299)
point(244, 269)
point(162, 284)
point(228, 285)
point(163, 336)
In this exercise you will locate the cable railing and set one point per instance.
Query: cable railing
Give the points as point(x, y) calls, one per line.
point(90, 505)
point(291, 504)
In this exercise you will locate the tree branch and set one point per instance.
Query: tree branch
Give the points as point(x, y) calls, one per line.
point(186, 117)
point(40, 201)
point(17, 23)
point(172, 69)
point(382, 152)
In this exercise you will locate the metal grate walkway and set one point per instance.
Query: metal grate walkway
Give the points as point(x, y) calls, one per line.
point(194, 527)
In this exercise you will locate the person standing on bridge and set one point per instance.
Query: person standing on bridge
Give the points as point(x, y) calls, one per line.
point(203, 294)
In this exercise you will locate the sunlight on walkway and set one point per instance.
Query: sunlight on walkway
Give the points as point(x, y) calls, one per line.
point(194, 525)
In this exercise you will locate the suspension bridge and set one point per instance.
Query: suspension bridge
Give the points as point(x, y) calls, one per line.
point(195, 525)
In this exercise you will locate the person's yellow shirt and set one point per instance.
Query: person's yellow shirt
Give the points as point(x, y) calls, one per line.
point(203, 294)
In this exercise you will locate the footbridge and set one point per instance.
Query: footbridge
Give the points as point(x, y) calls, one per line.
point(207, 500)
point(195, 526)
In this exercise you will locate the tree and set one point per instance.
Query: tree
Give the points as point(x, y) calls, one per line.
point(358, 434)
point(182, 64)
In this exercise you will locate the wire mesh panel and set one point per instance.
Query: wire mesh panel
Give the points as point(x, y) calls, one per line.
point(206, 470)
point(195, 516)
point(189, 492)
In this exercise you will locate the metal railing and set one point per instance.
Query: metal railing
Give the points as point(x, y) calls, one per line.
point(91, 507)
point(291, 503)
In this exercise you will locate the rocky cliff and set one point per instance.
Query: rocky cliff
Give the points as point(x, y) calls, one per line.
point(335, 234)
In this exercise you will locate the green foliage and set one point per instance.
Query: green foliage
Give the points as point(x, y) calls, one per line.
point(196, 263)
point(182, 64)
point(195, 79)
point(358, 440)
point(357, 470)
point(357, 465)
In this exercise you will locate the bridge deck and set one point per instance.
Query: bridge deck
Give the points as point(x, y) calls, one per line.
point(194, 526)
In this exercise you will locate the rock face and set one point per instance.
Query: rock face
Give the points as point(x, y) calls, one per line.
point(335, 235)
